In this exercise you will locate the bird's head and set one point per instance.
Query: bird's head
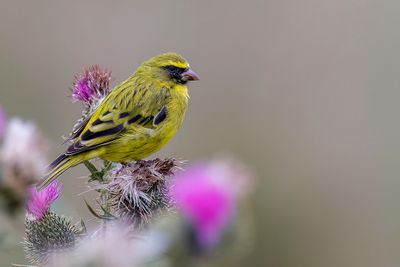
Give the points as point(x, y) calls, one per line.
point(168, 68)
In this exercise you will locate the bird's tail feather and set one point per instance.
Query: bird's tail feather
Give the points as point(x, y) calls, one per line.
point(56, 168)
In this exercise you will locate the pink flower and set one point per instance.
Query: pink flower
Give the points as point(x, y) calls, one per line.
point(92, 85)
point(39, 201)
point(82, 91)
point(206, 194)
point(2, 121)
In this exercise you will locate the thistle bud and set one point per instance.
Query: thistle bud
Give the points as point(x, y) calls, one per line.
point(46, 232)
point(50, 235)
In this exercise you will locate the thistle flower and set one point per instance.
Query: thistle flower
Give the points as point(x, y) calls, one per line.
point(92, 85)
point(89, 87)
point(46, 232)
point(138, 191)
point(24, 154)
point(49, 236)
point(39, 201)
point(206, 194)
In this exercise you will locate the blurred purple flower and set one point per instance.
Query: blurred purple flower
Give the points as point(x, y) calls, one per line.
point(206, 194)
point(39, 201)
point(2, 121)
point(92, 85)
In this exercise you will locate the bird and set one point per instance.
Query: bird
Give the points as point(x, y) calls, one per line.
point(136, 119)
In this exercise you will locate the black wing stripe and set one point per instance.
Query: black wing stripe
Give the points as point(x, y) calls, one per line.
point(57, 161)
point(145, 120)
point(161, 116)
point(76, 148)
point(88, 135)
point(134, 119)
point(98, 121)
point(123, 115)
point(77, 131)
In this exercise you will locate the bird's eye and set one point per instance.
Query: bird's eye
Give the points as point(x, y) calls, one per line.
point(175, 73)
point(174, 69)
point(170, 68)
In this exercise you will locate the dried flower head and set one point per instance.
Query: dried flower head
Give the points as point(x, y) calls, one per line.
point(39, 201)
point(24, 154)
point(139, 190)
point(48, 237)
point(92, 85)
point(206, 194)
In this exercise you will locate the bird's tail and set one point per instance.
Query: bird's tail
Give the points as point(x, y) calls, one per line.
point(56, 168)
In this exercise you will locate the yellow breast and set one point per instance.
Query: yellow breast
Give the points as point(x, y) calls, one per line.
point(176, 109)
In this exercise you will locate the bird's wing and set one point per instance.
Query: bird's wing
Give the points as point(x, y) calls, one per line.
point(136, 110)
point(77, 130)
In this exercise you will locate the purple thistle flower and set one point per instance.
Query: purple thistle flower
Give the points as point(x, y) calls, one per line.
point(39, 201)
point(2, 121)
point(206, 196)
point(92, 85)
point(82, 91)
point(89, 87)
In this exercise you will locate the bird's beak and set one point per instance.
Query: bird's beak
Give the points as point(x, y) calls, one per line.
point(190, 75)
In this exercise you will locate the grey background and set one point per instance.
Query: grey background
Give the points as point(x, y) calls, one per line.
point(306, 92)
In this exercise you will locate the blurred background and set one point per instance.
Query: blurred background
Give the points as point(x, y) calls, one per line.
point(305, 92)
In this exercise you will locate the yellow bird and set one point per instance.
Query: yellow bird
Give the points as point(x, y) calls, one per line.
point(136, 119)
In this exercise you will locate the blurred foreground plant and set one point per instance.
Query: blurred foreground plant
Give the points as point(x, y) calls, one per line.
point(176, 223)
point(151, 212)
point(23, 156)
point(2, 121)
point(206, 194)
